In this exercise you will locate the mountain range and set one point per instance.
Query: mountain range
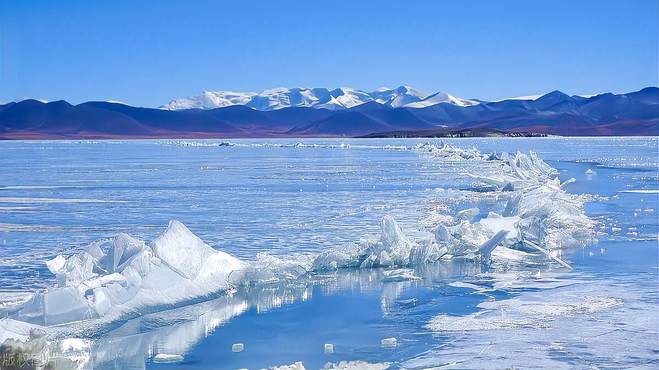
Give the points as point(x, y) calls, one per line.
point(328, 113)
point(339, 98)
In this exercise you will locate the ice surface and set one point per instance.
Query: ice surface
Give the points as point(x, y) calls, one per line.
point(554, 322)
point(356, 365)
point(641, 191)
point(520, 313)
point(557, 298)
point(122, 274)
point(519, 202)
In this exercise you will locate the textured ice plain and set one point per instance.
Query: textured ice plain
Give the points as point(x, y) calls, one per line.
point(343, 365)
point(575, 323)
point(123, 277)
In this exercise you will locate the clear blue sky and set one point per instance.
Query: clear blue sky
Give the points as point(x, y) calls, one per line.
point(148, 52)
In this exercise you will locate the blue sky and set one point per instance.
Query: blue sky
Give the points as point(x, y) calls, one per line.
point(148, 52)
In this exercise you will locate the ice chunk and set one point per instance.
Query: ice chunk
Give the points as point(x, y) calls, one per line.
point(77, 269)
point(392, 235)
point(218, 265)
point(181, 250)
point(122, 275)
point(389, 342)
point(508, 254)
point(56, 306)
point(237, 347)
point(126, 249)
point(463, 239)
point(336, 258)
point(426, 251)
point(548, 254)
point(538, 206)
point(442, 234)
point(568, 182)
point(393, 248)
point(56, 264)
point(487, 247)
point(101, 301)
point(165, 358)
point(66, 304)
point(17, 330)
point(451, 153)
point(106, 255)
point(294, 366)
point(496, 223)
point(104, 280)
point(329, 348)
point(512, 206)
point(468, 214)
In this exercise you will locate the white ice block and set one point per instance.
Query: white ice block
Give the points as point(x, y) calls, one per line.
point(329, 348)
point(237, 347)
point(389, 342)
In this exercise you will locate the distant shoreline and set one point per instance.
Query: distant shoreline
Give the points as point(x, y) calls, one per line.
point(388, 135)
point(447, 133)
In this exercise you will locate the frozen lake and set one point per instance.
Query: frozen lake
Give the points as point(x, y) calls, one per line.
point(275, 201)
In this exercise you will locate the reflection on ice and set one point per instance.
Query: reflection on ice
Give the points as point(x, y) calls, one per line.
point(174, 332)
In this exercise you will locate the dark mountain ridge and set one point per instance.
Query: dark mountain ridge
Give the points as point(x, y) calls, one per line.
point(635, 113)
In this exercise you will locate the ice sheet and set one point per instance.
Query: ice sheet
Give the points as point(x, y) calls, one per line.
point(124, 277)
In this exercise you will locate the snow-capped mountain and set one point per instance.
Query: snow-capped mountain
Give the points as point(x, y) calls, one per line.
point(398, 97)
point(339, 98)
point(442, 97)
point(210, 100)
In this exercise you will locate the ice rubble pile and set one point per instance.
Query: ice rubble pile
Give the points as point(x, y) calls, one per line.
point(539, 216)
point(123, 275)
point(392, 249)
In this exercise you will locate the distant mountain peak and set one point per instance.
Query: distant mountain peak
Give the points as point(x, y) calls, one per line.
point(556, 94)
point(553, 98)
